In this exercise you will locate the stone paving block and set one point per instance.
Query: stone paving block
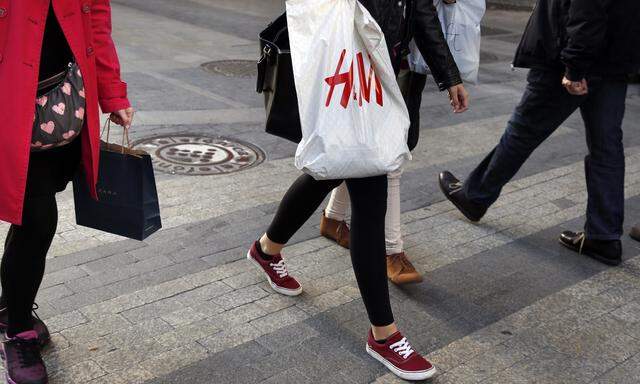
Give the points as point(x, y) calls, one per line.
point(278, 320)
point(239, 297)
point(290, 376)
point(240, 315)
point(81, 300)
point(231, 337)
point(323, 302)
point(288, 337)
point(188, 333)
point(153, 310)
point(62, 276)
point(145, 330)
point(99, 326)
point(79, 373)
point(275, 302)
point(163, 275)
point(108, 263)
point(182, 317)
point(244, 279)
point(58, 359)
point(66, 321)
point(126, 357)
point(127, 376)
point(53, 293)
point(174, 359)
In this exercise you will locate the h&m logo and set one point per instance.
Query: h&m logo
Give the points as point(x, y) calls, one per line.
point(365, 78)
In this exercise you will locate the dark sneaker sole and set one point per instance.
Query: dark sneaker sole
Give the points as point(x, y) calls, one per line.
point(604, 260)
point(9, 381)
point(466, 214)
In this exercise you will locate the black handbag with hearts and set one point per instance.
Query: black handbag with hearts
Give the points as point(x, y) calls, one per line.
point(60, 110)
point(276, 82)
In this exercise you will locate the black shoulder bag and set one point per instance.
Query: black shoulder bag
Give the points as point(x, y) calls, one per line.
point(276, 82)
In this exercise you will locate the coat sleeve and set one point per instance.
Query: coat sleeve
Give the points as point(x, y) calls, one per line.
point(433, 45)
point(586, 36)
point(112, 91)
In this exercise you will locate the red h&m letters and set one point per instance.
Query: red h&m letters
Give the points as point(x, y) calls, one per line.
point(347, 79)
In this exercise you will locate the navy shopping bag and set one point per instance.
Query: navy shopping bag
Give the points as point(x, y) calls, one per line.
point(127, 202)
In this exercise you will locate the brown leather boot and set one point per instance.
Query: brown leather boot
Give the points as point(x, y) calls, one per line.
point(635, 232)
point(400, 270)
point(335, 230)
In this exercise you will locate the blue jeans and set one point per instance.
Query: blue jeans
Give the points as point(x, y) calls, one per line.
point(545, 105)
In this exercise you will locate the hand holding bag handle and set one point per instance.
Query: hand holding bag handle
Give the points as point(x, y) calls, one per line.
point(126, 147)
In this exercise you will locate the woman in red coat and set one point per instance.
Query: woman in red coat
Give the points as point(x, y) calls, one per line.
point(58, 64)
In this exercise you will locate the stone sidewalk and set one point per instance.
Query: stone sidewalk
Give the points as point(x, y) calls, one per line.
point(502, 302)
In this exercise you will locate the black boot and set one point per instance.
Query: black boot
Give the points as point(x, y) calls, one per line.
point(605, 251)
point(452, 189)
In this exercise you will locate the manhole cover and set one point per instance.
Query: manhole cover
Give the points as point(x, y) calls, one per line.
point(200, 155)
point(232, 68)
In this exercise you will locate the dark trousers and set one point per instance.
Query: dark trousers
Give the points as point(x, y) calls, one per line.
point(368, 251)
point(26, 245)
point(545, 105)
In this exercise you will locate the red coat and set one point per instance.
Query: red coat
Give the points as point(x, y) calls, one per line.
point(87, 27)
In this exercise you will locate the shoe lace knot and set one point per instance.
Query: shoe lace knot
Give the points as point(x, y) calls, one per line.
point(402, 348)
point(280, 268)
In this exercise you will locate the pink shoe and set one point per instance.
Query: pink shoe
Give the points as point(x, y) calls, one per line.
point(398, 356)
point(276, 272)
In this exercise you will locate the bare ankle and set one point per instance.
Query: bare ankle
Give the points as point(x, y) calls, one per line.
point(269, 247)
point(383, 333)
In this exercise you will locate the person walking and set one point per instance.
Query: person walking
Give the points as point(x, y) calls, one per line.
point(57, 64)
point(412, 82)
point(579, 53)
point(369, 204)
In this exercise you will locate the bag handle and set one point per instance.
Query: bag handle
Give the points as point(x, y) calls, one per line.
point(125, 136)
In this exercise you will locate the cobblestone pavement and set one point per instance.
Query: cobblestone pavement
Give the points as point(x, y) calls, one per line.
point(502, 302)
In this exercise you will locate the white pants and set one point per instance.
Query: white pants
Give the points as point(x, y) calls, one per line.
point(339, 205)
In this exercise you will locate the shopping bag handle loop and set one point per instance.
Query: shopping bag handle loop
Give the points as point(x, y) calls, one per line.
point(125, 136)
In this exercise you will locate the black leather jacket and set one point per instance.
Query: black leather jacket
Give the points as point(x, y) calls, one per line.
point(582, 37)
point(421, 24)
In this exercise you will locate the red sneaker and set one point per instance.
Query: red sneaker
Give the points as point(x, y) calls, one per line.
point(276, 272)
point(397, 355)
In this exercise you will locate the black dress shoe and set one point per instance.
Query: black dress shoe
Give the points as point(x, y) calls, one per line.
point(635, 232)
point(605, 251)
point(452, 189)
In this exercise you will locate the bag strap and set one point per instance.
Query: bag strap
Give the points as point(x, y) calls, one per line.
point(125, 136)
point(406, 34)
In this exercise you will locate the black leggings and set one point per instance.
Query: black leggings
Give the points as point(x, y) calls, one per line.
point(23, 262)
point(368, 210)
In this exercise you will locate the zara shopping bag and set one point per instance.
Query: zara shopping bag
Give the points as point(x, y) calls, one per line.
point(127, 202)
point(353, 117)
point(461, 24)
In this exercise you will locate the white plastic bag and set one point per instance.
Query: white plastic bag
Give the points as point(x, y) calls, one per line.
point(461, 25)
point(354, 120)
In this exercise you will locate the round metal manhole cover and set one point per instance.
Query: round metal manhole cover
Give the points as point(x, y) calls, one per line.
point(200, 155)
point(232, 68)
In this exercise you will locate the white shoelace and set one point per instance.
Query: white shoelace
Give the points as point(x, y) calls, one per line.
point(580, 239)
point(280, 269)
point(402, 348)
point(455, 187)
